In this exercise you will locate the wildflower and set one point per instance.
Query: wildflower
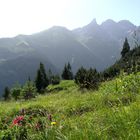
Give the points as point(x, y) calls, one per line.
point(53, 123)
point(18, 120)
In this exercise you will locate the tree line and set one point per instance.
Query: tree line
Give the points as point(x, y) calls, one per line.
point(32, 88)
point(128, 63)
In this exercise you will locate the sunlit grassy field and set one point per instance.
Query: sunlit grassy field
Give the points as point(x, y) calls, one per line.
point(111, 112)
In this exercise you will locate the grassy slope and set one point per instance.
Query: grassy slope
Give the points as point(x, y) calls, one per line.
point(112, 112)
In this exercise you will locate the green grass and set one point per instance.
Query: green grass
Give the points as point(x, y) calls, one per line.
point(112, 112)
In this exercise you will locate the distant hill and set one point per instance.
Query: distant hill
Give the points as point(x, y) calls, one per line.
point(90, 46)
point(19, 70)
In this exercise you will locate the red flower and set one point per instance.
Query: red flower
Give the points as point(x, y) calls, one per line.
point(18, 120)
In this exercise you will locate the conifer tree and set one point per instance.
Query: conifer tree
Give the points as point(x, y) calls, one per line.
point(87, 78)
point(38, 81)
point(45, 80)
point(55, 79)
point(67, 72)
point(80, 77)
point(6, 94)
point(42, 80)
point(16, 91)
point(70, 71)
point(126, 48)
point(50, 76)
point(28, 90)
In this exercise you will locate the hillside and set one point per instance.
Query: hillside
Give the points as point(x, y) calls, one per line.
point(129, 63)
point(19, 70)
point(112, 112)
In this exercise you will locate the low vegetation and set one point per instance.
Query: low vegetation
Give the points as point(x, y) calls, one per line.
point(129, 62)
point(68, 113)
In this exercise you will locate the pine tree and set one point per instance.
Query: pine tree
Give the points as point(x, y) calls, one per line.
point(80, 77)
point(70, 71)
point(93, 79)
point(38, 81)
point(67, 72)
point(16, 91)
point(28, 91)
point(45, 80)
point(87, 78)
point(55, 79)
point(126, 48)
point(50, 76)
point(42, 80)
point(6, 94)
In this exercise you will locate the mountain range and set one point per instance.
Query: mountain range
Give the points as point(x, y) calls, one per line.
point(93, 45)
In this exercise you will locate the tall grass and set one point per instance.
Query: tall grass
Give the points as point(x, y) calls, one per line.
point(112, 112)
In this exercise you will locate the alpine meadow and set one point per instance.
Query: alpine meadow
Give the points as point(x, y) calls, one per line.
point(69, 70)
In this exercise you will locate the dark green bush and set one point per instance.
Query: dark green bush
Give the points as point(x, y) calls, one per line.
point(89, 79)
point(55, 79)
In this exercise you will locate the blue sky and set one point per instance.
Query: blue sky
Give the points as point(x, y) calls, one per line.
point(30, 16)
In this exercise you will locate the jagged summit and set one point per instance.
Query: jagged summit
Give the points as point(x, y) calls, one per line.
point(94, 21)
point(108, 22)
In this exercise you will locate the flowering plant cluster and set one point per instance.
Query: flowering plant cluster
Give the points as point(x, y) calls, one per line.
point(30, 119)
point(35, 120)
point(18, 120)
